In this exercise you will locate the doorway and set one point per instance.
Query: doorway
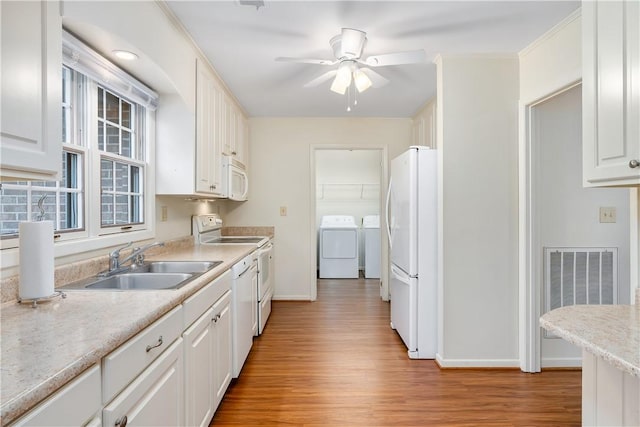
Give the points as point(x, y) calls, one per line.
point(349, 180)
point(562, 223)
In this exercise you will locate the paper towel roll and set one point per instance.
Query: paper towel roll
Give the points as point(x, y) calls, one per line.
point(36, 259)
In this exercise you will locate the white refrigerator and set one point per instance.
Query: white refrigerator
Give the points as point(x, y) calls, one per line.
point(412, 226)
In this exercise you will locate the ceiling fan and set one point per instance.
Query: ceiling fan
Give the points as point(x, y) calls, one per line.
point(348, 47)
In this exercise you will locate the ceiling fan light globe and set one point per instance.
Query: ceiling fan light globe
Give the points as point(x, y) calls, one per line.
point(338, 87)
point(343, 79)
point(361, 80)
point(344, 74)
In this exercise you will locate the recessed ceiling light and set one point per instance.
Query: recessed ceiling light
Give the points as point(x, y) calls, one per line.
point(125, 54)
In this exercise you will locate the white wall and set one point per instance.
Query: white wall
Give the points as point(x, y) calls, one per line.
point(567, 213)
point(280, 175)
point(179, 213)
point(348, 182)
point(553, 61)
point(478, 145)
point(167, 57)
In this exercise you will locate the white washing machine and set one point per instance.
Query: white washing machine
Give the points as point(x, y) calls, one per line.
point(338, 236)
point(371, 228)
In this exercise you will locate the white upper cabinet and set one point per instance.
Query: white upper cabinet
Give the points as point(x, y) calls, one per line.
point(191, 164)
point(424, 126)
point(208, 150)
point(611, 93)
point(236, 133)
point(31, 69)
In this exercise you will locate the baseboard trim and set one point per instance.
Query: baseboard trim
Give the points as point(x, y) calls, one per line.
point(477, 363)
point(561, 362)
point(551, 369)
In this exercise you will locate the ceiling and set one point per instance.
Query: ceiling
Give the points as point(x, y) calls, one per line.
point(241, 43)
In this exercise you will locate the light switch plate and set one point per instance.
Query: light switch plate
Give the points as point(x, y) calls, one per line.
point(283, 211)
point(607, 214)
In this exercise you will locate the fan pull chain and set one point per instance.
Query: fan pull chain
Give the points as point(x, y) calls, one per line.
point(355, 95)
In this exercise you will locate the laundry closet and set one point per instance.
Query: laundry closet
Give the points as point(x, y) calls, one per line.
point(348, 192)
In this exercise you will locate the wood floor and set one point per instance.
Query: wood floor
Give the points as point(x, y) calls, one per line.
point(336, 362)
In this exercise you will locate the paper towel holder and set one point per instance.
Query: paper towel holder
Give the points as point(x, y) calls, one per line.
point(34, 301)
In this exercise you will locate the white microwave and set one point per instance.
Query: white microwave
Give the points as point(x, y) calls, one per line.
point(235, 179)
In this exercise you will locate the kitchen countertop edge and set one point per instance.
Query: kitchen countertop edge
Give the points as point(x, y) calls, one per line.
point(611, 332)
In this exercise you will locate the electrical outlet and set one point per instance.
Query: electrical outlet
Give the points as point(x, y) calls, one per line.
point(607, 214)
point(163, 213)
point(283, 211)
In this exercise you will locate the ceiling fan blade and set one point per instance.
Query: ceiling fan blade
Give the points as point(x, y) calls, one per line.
point(398, 58)
point(323, 78)
point(376, 79)
point(307, 60)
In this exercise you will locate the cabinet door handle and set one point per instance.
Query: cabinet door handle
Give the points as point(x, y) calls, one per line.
point(634, 163)
point(122, 421)
point(216, 318)
point(158, 344)
point(233, 153)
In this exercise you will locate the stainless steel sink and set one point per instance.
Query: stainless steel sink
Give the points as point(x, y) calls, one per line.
point(154, 275)
point(140, 281)
point(178, 266)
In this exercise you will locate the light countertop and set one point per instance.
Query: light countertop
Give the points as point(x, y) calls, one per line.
point(611, 332)
point(44, 348)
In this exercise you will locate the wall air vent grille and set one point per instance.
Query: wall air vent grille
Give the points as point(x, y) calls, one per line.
point(579, 276)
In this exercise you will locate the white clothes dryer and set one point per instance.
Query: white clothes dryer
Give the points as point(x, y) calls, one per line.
point(338, 236)
point(371, 229)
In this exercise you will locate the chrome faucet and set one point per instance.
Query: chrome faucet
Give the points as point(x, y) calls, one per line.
point(137, 254)
point(136, 257)
point(114, 257)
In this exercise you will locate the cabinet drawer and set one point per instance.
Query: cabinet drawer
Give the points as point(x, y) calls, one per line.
point(74, 404)
point(122, 365)
point(155, 397)
point(199, 302)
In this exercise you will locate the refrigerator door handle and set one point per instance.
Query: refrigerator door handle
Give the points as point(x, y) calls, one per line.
point(400, 275)
point(386, 216)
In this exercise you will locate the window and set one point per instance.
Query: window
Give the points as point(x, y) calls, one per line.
point(62, 201)
point(103, 188)
point(120, 141)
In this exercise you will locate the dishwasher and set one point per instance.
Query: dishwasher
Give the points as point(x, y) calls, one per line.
point(243, 301)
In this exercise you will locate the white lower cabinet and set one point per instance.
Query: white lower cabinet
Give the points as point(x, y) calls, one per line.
point(123, 364)
point(222, 347)
point(155, 397)
point(207, 355)
point(77, 403)
point(175, 372)
point(610, 397)
point(254, 300)
point(199, 371)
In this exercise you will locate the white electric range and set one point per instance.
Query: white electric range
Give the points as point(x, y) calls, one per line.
point(207, 230)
